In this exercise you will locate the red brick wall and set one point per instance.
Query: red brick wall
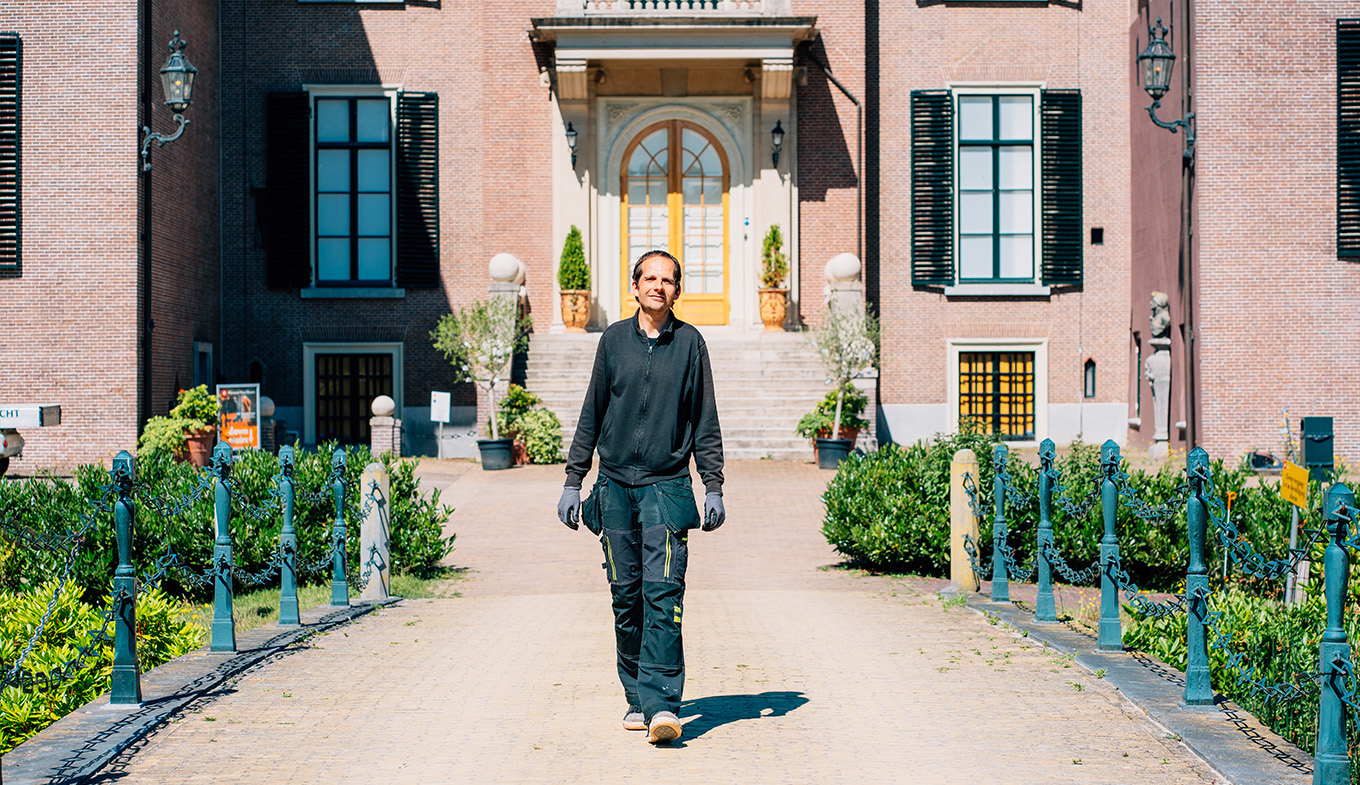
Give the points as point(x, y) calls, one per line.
point(185, 211)
point(1155, 201)
point(494, 184)
point(68, 323)
point(828, 150)
point(927, 47)
point(1279, 323)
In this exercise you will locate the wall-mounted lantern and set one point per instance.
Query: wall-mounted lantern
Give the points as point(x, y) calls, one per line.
point(777, 139)
point(177, 84)
point(571, 145)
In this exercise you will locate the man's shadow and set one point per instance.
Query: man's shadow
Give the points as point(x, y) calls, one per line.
point(721, 709)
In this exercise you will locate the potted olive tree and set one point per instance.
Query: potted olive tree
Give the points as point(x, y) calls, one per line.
point(573, 280)
point(774, 266)
point(847, 342)
point(480, 340)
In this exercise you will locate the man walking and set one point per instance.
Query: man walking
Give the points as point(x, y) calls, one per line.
point(649, 406)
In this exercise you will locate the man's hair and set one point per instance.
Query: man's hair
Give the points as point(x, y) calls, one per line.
point(637, 266)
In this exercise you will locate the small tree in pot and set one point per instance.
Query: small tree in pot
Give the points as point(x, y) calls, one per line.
point(573, 280)
point(847, 342)
point(480, 340)
point(774, 266)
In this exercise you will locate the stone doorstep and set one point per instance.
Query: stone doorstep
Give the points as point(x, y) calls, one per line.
point(1233, 742)
point(79, 745)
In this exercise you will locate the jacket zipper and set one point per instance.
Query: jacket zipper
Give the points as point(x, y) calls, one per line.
point(642, 413)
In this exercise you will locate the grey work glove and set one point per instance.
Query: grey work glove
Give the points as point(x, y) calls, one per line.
point(569, 507)
point(714, 514)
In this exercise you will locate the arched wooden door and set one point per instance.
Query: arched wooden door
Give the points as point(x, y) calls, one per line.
point(675, 180)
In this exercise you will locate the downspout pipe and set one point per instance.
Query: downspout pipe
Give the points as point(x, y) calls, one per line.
point(859, 153)
point(144, 294)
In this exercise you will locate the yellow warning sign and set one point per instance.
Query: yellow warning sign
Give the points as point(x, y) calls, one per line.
point(1294, 485)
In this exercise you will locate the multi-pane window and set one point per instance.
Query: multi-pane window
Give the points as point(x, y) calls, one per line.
point(353, 179)
point(996, 393)
point(996, 187)
point(346, 385)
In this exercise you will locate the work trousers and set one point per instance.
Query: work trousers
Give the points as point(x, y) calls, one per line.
point(644, 534)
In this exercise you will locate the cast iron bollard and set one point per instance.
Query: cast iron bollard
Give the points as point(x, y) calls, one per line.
point(288, 599)
point(1198, 689)
point(339, 582)
point(1331, 766)
point(1110, 637)
point(126, 686)
point(1044, 609)
point(1001, 587)
point(223, 630)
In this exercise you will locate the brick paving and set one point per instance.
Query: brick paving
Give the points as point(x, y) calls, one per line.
point(797, 673)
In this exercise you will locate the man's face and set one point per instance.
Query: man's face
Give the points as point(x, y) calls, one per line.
point(656, 289)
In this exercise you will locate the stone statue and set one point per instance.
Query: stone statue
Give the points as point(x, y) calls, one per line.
point(1158, 372)
point(1159, 324)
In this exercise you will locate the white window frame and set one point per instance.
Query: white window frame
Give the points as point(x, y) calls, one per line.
point(309, 352)
point(318, 289)
point(957, 346)
point(1033, 287)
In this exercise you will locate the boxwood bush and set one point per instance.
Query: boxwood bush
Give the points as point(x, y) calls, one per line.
point(889, 510)
point(53, 507)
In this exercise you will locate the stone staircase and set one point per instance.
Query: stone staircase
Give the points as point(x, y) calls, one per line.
point(764, 383)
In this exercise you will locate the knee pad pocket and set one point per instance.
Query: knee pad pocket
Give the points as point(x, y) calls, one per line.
point(622, 555)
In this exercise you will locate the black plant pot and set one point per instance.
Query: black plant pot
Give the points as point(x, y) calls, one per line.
point(830, 452)
point(496, 453)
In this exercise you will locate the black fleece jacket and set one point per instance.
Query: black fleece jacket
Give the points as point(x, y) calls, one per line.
point(648, 407)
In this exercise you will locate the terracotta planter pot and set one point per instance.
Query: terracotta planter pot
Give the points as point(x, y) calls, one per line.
point(575, 309)
point(198, 447)
point(774, 308)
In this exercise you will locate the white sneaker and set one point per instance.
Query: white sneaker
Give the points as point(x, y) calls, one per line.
point(665, 728)
point(633, 719)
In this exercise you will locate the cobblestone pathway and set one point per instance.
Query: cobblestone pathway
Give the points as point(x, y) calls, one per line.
point(797, 673)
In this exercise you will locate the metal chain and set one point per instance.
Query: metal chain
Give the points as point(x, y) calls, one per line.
point(173, 507)
point(1077, 510)
point(1140, 602)
point(29, 681)
point(1074, 577)
point(1244, 554)
point(1348, 687)
point(1304, 685)
point(979, 568)
point(263, 511)
point(1013, 568)
point(981, 509)
point(1152, 513)
point(249, 579)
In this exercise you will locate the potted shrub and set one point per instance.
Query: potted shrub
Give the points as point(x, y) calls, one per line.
point(774, 266)
point(817, 423)
point(190, 431)
point(847, 342)
point(480, 340)
point(573, 280)
point(536, 431)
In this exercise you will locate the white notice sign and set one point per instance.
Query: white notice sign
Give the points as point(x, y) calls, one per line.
point(439, 406)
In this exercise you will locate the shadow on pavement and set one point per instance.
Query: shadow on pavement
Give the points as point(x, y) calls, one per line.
point(721, 709)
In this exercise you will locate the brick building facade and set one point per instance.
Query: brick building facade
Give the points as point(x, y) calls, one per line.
point(351, 167)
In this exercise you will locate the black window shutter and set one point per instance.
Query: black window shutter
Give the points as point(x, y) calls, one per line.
point(932, 188)
point(418, 190)
point(1348, 137)
point(1060, 127)
point(11, 50)
point(283, 209)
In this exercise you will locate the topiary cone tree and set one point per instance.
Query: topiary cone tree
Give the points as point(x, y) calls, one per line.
point(572, 272)
point(774, 263)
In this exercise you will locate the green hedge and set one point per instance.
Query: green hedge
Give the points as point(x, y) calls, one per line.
point(162, 635)
point(889, 511)
point(52, 507)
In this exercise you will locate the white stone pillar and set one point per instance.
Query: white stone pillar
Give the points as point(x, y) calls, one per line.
point(375, 532)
